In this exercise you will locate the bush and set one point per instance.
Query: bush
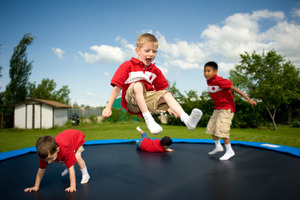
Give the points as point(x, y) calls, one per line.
point(295, 124)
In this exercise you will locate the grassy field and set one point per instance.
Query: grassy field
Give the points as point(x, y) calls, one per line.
point(12, 139)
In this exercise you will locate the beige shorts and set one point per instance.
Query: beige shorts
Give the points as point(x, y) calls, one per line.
point(151, 97)
point(219, 123)
point(80, 149)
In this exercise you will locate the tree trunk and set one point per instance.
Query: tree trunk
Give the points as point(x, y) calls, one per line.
point(272, 117)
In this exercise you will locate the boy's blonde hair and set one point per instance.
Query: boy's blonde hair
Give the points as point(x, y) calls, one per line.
point(144, 38)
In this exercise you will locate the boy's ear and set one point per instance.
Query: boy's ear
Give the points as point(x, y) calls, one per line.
point(58, 149)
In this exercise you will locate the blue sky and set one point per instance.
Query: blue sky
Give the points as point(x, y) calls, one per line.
point(82, 43)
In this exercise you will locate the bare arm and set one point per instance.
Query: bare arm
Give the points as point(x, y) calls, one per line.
point(169, 150)
point(72, 187)
point(38, 179)
point(107, 111)
point(236, 90)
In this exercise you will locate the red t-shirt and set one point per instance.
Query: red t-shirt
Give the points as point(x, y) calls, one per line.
point(151, 145)
point(69, 141)
point(219, 90)
point(134, 70)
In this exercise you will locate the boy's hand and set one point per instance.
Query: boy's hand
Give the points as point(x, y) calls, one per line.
point(169, 150)
point(171, 112)
point(252, 102)
point(32, 189)
point(106, 113)
point(70, 189)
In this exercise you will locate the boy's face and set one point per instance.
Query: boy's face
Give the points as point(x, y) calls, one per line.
point(209, 72)
point(52, 157)
point(147, 53)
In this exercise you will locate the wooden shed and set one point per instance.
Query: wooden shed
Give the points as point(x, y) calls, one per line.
point(40, 114)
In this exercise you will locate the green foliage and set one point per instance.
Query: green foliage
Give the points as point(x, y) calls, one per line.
point(268, 78)
point(19, 72)
point(46, 90)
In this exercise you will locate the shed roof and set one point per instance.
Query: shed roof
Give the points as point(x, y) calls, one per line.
point(48, 102)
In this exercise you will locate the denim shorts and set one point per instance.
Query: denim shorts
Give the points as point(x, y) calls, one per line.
point(139, 142)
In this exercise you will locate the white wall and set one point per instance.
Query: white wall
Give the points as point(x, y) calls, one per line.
point(60, 116)
point(47, 116)
point(20, 116)
point(37, 116)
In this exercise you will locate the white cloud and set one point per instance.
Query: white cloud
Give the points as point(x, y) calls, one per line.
point(107, 74)
point(104, 54)
point(261, 30)
point(90, 94)
point(59, 52)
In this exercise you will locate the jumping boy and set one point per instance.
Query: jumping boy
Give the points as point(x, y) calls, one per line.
point(224, 108)
point(65, 148)
point(143, 88)
point(156, 145)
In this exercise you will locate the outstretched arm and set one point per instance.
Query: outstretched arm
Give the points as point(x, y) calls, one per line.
point(236, 90)
point(72, 187)
point(107, 111)
point(38, 180)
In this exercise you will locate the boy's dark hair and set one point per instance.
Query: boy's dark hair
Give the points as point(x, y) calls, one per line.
point(46, 145)
point(166, 141)
point(212, 64)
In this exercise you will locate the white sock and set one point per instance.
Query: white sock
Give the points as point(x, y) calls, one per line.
point(229, 152)
point(217, 149)
point(153, 127)
point(85, 176)
point(65, 172)
point(192, 120)
point(138, 129)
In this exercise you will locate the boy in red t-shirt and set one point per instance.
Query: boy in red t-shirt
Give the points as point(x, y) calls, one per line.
point(156, 145)
point(224, 108)
point(143, 88)
point(65, 148)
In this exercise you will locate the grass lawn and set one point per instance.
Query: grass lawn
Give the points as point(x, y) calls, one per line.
point(12, 139)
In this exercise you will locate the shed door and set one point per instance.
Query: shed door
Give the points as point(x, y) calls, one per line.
point(33, 116)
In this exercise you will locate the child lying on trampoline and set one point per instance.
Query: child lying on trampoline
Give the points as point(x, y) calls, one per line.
point(156, 145)
point(65, 148)
point(143, 88)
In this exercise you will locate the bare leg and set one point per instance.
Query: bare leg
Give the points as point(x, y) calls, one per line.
point(83, 169)
point(190, 121)
point(154, 127)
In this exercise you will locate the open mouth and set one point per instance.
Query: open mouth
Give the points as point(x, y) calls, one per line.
point(148, 60)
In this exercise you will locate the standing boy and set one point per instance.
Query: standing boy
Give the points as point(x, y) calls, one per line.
point(143, 88)
point(224, 108)
point(65, 148)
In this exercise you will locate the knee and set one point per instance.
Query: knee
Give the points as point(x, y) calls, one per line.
point(168, 95)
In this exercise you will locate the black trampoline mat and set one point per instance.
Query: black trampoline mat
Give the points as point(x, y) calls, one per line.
point(120, 171)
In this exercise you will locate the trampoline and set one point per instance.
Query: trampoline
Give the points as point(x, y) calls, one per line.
point(120, 171)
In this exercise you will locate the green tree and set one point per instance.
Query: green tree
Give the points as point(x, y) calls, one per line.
point(263, 78)
point(46, 90)
point(19, 72)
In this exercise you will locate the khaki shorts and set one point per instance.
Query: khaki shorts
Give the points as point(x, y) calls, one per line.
point(151, 98)
point(219, 123)
point(80, 149)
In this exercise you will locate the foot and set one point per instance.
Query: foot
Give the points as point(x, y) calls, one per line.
point(85, 179)
point(138, 129)
point(154, 127)
point(216, 150)
point(65, 172)
point(227, 155)
point(193, 119)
